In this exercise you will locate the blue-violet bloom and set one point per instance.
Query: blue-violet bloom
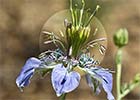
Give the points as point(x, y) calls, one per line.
point(64, 81)
point(27, 72)
point(102, 78)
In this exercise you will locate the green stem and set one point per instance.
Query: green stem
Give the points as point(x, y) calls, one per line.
point(63, 96)
point(118, 74)
point(129, 89)
point(118, 77)
point(118, 83)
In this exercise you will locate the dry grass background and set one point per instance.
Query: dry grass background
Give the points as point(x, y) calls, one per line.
point(20, 25)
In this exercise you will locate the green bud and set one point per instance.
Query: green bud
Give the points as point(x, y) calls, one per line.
point(121, 37)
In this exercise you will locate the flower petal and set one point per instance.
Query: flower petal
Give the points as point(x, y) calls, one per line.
point(62, 81)
point(105, 79)
point(93, 84)
point(27, 72)
point(73, 79)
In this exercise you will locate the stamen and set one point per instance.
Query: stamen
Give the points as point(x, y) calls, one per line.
point(61, 33)
point(47, 42)
point(102, 49)
point(95, 31)
point(97, 40)
point(70, 51)
point(45, 32)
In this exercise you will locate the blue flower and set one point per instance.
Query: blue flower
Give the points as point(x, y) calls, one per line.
point(27, 72)
point(64, 81)
point(98, 78)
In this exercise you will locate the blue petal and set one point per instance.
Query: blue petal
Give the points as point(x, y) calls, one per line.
point(64, 82)
point(27, 72)
point(96, 88)
point(105, 79)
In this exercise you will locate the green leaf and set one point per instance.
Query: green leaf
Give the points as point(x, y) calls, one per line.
point(124, 87)
point(137, 78)
point(127, 88)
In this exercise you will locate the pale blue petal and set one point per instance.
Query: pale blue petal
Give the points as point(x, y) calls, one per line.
point(27, 72)
point(105, 79)
point(58, 75)
point(89, 81)
point(107, 85)
point(97, 88)
point(73, 79)
point(62, 81)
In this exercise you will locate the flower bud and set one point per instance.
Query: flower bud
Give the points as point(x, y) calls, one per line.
point(121, 37)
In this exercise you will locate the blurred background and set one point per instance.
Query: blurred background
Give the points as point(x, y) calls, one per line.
point(20, 25)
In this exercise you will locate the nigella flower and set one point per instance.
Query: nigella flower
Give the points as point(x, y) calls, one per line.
point(72, 57)
point(27, 72)
point(100, 78)
point(64, 81)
